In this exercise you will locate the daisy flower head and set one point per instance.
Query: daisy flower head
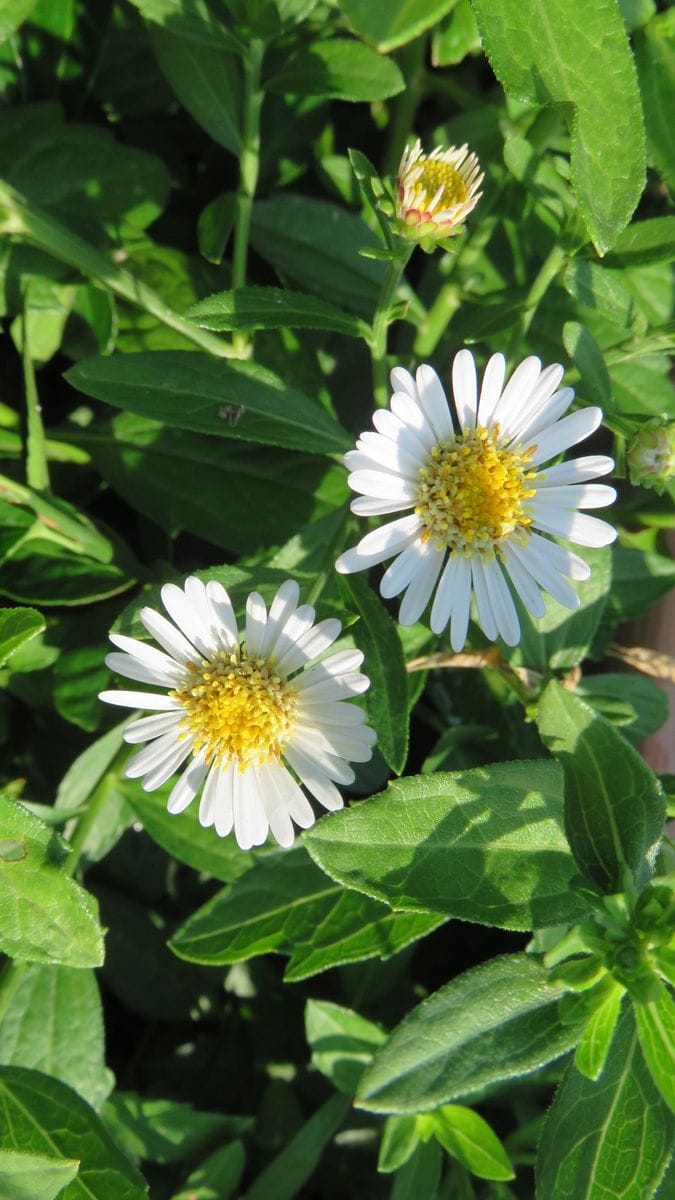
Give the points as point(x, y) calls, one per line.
point(482, 499)
point(247, 717)
point(435, 192)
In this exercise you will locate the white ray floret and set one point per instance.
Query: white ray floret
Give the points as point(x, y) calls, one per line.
point(258, 715)
point(477, 495)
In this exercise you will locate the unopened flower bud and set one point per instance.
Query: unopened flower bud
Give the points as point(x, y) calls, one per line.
point(435, 192)
point(650, 455)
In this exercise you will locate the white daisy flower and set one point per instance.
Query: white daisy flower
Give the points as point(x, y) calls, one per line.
point(436, 192)
point(254, 717)
point(481, 498)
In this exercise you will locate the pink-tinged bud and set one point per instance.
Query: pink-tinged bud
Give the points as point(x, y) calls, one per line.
point(435, 192)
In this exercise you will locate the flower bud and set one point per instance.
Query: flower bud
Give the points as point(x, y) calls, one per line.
point(650, 455)
point(435, 192)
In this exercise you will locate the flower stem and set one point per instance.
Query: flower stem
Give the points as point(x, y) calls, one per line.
point(37, 471)
point(249, 164)
point(382, 321)
point(543, 280)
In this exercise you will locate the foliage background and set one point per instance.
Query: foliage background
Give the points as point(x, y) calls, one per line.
point(128, 160)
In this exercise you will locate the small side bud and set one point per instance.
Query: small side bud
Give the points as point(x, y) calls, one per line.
point(650, 455)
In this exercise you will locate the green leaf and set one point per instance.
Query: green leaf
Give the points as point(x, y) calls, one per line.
point(591, 1053)
point(165, 1131)
point(656, 1030)
point(34, 1176)
point(391, 23)
point(644, 242)
point(542, 54)
point(191, 20)
point(316, 244)
point(607, 1138)
point(420, 1175)
point(289, 1171)
point(44, 916)
point(42, 572)
point(484, 845)
point(12, 14)
point(42, 1116)
point(495, 1022)
point(271, 308)
point(341, 1041)
point(286, 904)
point(18, 625)
point(455, 37)
point(468, 1138)
point(655, 60)
point(215, 225)
point(588, 359)
point(43, 1007)
point(614, 807)
point(561, 639)
point(639, 580)
point(633, 702)
point(183, 837)
point(400, 1137)
point(603, 289)
point(206, 79)
point(387, 697)
point(218, 1177)
point(339, 67)
point(152, 467)
point(190, 391)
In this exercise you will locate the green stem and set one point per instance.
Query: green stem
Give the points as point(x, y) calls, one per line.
point(20, 219)
point(547, 273)
point(249, 163)
point(37, 471)
point(382, 321)
point(411, 61)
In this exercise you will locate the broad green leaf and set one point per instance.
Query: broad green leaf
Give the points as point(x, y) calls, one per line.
point(608, 1138)
point(286, 904)
point(44, 916)
point(484, 845)
point(191, 20)
point(561, 639)
point(614, 807)
point(656, 1030)
point(644, 242)
point(543, 54)
point(182, 836)
point(165, 1131)
point(215, 225)
point(655, 60)
point(18, 625)
point(42, 1116)
point(639, 579)
point(591, 1053)
point(603, 289)
point(588, 359)
point(12, 14)
point(152, 467)
point(206, 80)
point(272, 308)
point(455, 37)
point(387, 697)
point(339, 67)
point(289, 1171)
point(86, 772)
point(400, 1137)
point(465, 1135)
point(420, 1175)
point(391, 23)
point(52, 1023)
point(493, 1023)
point(34, 1176)
point(316, 244)
point(42, 572)
point(633, 702)
point(218, 1177)
point(341, 1041)
point(197, 392)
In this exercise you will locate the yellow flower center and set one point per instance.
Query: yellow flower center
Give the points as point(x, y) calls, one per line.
point(437, 173)
point(237, 708)
point(471, 493)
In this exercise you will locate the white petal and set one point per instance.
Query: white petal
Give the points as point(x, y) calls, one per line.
point(292, 796)
point(546, 576)
point(310, 645)
point(256, 622)
point(333, 766)
point(572, 429)
point(149, 700)
point(168, 636)
point(316, 782)
point(559, 557)
point(365, 506)
point(152, 756)
point(329, 687)
point(344, 662)
point(147, 654)
point(224, 802)
point(402, 381)
point(517, 391)
point(296, 625)
point(381, 543)
point(503, 608)
point(340, 713)
point(150, 727)
point(185, 790)
point(575, 527)
point(433, 402)
point(187, 617)
point(354, 744)
point(577, 470)
point(131, 668)
point(383, 486)
point(464, 389)
point(445, 594)
point(166, 769)
point(461, 607)
point(486, 618)
point(417, 437)
point(524, 583)
point(205, 614)
point(418, 592)
point(539, 417)
point(403, 569)
point(390, 455)
point(207, 800)
point(226, 622)
point(575, 495)
point(276, 811)
point(491, 389)
point(537, 404)
point(284, 603)
point(250, 823)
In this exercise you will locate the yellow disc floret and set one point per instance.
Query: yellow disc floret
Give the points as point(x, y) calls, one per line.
point(237, 708)
point(437, 175)
point(471, 492)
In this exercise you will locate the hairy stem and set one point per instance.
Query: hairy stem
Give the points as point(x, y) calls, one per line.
point(249, 164)
point(37, 471)
point(382, 321)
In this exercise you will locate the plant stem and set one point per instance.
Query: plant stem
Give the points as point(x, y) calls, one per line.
point(543, 280)
point(37, 471)
point(249, 164)
point(382, 321)
point(411, 61)
point(34, 226)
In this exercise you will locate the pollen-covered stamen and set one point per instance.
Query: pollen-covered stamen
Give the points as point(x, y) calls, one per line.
point(438, 186)
point(237, 708)
point(471, 493)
